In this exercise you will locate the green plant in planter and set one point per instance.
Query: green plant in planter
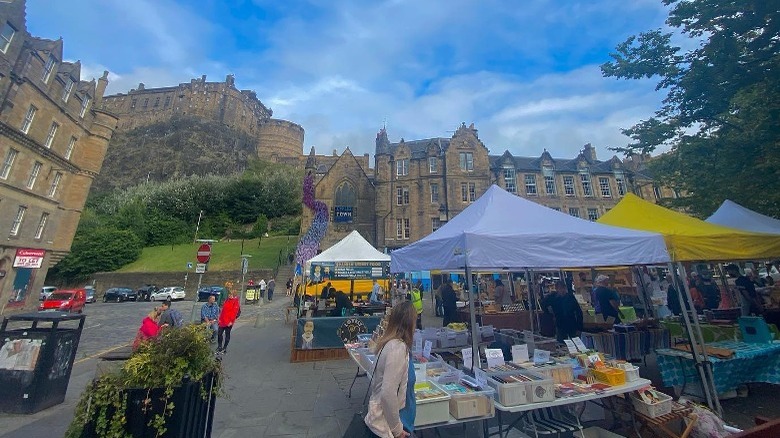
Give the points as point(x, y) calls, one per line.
point(177, 354)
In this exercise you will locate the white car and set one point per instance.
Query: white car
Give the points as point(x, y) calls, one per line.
point(170, 292)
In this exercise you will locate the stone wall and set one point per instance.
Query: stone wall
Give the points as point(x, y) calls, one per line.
point(134, 280)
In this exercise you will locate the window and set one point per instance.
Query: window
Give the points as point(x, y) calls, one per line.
point(8, 163)
point(587, 189)
point(407, 229)
point(568, 185)
point(466, 161)
point(621, 184)
point(28, 118)
point(530, 185)
point(434, 193)
point(549, 185)
point(156, 102)
point(399, 228)
point(47, 68)
point(402, 196)
point(36, 169)
point(433, 165)
point(435, 224)
point(574, 211)
point(604, 187)
point(464, 192)
point(167, 101)
point(55, 184)
point(50, 136)
point(132, 105)
point(69, 149)
point(146, 103)
point(6, 36)
point(656, 192)
point(593, 214)
point(556, 208)
point(41, 225)
point(67, 89)
point(510, 181)
point(472, 192)
point(402, 167)
point(84, 106)
point(17, 223)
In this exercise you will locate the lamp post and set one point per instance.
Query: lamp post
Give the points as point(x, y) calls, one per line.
point(443, 213)
point(244, 268)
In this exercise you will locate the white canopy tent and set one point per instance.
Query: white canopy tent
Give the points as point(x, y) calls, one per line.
point(352, 248)
point(731, 214)
point(503, 231)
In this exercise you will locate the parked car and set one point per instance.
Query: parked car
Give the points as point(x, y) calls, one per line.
point(169, 293)
point(206, 291)
point(144, 293)
point(65, 300)
point(120, 294)
point(91, 294)
point(46, 291)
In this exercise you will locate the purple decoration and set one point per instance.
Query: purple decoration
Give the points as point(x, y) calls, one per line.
point(310, 241)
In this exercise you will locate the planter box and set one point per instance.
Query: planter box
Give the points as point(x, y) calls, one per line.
point(192, 416)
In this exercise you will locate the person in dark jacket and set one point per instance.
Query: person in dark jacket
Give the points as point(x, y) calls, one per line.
point(343, 304)
point(567, 311)
point(449, 302)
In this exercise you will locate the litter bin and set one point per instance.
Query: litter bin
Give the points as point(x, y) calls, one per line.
point(36, 361)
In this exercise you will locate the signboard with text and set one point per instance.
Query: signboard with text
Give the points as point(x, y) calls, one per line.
point(29, 258)
point(348, 270)
point(342, 214)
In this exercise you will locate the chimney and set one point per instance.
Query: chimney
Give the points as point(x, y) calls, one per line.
point(102, 83)
point(203, 78)
point(141, 86)
point(335, 153)
point(589, 151)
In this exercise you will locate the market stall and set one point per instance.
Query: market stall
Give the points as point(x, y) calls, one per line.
point(322, 333)
point(692, 240)
point(731, 214)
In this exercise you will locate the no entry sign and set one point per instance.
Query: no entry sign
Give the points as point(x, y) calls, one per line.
point(204, 253)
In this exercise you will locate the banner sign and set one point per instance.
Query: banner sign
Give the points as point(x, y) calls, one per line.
point(342, 214)
point(29, 258)
point(348, 270)
point(332, 331)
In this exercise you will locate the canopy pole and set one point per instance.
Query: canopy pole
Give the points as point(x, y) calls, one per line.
point(643, 292)
point(530, 297)
point(475, 358)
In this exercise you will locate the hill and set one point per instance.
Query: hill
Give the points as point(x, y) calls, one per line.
point(179, 147)
point(225, 256)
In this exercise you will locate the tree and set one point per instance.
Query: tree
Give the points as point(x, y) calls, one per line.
point(721, 114)
point(98, 250)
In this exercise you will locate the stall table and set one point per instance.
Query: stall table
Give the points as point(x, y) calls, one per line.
point(712, 332)
point(634, 345)
point(519, 320)
point(751, 363)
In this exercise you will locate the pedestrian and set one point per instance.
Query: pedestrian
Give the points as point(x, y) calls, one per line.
point(751, 302)
point(170, 317)
point(501, 295)
point(262, 287)
point(709, 290)
point(227, 317)
point(449, 303)
point(608, 299)
point(271, 286)
point(289, 286)
point(149, 328)
point(377, 295)
point(566, 309)
point(417, 302)
point(438, 311)
point(209, 314)
point(390, 382)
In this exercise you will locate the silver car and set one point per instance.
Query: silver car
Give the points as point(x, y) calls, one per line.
point(170, 292)
point(46, 291)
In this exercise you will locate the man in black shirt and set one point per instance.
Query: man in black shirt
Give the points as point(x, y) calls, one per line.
point(609, 300)
point(567, 311)
point(449, 302)
point(751, 302)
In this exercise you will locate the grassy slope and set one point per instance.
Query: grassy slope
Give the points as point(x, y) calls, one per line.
point(224, 255)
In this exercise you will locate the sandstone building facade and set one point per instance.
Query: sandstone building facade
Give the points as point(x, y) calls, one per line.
point(416, 186)
point(277, 140)
point(53, 139)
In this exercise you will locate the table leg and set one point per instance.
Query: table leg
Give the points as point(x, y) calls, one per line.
point(357, 374)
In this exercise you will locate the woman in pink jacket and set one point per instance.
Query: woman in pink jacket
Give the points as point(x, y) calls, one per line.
point(149, 328)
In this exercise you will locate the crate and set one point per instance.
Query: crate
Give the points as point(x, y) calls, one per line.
point(431, 410)
point(538, 389)
point(632, 374)
point(509, 394)
point(469, 403)
point(559, 373)
point(610, 376)
point(441, 370)
point(452, 338)
point(486, 331)
point(655, 409)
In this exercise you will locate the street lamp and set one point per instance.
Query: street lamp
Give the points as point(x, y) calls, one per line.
point(244, 268)
point(442, 213)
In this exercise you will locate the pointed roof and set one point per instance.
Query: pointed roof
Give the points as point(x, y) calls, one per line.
point(731, 214)
point(352, 248)
point(504, 231)
point(691, 239)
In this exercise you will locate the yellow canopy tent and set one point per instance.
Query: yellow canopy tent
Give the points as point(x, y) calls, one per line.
point(691, 239)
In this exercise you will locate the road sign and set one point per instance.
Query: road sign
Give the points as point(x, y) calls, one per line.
point(244, 266)
point(200, 268)
point(204, 253)
point(189, 265)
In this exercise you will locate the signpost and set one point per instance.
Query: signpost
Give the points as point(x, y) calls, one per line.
point(203, 256)
point(204, 253)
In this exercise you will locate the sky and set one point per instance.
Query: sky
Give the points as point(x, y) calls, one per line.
point(525, 73)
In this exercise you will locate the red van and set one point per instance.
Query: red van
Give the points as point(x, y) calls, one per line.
point(65, 300)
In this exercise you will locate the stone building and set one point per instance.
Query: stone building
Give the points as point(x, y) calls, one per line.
point(416, 186)
point(52, 143)
point(277, 140)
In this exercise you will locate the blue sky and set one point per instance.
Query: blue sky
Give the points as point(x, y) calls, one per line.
point(524, 72)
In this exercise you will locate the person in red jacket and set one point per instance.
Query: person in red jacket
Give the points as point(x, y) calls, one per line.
point(149, 328)
point(227, 317)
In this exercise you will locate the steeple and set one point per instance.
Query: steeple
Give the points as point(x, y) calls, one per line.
point(311, 160)
point(382, 143)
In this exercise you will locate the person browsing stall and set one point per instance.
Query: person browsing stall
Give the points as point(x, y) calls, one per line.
point(449, 302)
point(376, 294)
point(567, 311)
point(608, 299)
point(501, 294)
point(390, 381)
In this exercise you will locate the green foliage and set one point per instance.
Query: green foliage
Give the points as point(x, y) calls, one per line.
point(260, 227)
point(285, 226)
point(719, 117)
point(162, 362)
point(100, 249)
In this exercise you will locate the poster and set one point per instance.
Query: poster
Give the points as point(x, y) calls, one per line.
point(29, 258)
point(20, 354)
point(348, 270)
point(332, 332)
